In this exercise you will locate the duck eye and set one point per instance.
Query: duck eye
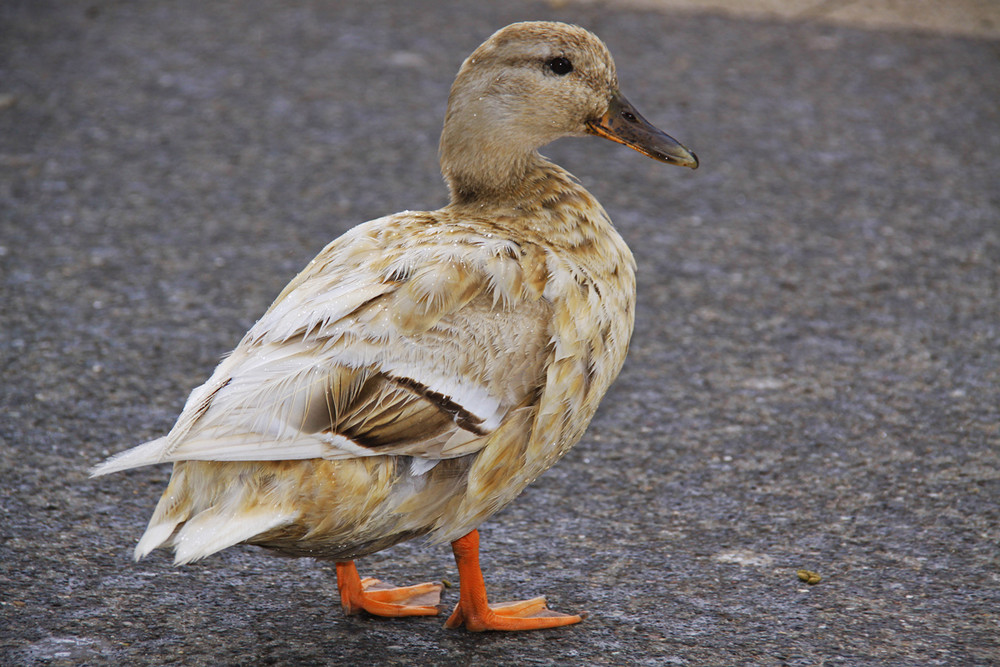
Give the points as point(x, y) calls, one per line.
point(561, 66)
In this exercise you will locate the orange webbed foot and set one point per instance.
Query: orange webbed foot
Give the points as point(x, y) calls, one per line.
point(381, 599)
point(530, 614)
point(476, 614)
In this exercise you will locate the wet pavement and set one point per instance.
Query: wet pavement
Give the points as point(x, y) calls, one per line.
point(814, 381)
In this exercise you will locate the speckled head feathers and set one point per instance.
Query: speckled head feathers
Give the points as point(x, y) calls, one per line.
point(534, 43)
point(527, 85)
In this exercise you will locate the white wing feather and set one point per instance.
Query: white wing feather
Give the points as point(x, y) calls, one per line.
point(367, 302)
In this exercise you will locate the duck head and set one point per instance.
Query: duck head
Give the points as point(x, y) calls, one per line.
point(527, 85)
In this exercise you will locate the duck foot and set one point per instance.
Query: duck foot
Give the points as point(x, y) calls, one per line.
point(381, 599)
point(530, 614)
point(476, 614)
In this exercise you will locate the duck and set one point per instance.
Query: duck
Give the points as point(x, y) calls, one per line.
point(426, 367)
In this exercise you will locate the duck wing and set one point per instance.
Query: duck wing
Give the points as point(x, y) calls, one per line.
point(406, 336)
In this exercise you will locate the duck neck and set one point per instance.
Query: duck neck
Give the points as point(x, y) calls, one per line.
point(493, 174)
point(545, 203)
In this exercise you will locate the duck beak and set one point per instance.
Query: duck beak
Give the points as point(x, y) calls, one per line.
point(624, 125)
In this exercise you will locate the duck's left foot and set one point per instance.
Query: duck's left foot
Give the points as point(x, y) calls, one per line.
point(380, 599)
point(476, 614)
point(530, 614)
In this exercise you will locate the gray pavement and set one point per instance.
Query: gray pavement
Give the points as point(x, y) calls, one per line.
point(814, 380)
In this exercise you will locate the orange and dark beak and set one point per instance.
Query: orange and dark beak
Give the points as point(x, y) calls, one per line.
point(624, 125)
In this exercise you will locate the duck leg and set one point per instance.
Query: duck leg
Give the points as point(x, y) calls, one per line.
point(477, 614)
point(379, 599)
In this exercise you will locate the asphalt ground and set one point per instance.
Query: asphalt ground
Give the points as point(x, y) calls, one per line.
point(814, 381)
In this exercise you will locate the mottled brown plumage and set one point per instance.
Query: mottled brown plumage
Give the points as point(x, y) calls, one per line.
point(425, 367)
